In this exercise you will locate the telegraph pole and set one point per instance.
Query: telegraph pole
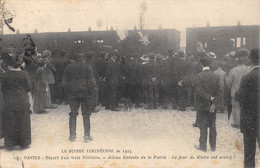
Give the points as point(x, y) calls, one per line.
point(3, 13)
point(1, 23)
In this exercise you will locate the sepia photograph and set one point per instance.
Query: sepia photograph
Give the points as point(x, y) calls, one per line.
point(129, 84)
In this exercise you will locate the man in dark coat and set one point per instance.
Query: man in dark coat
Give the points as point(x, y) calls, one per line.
point(170, 81)
point(208, 89)
point(248, 97)
point(160, 71)
point(78, 80)
point(151, 90)
point(101, 65)
point(112, 76)
point(124, 76)
point(182, 72)
point(134, 81)
point(90, 60)
point(60, 61)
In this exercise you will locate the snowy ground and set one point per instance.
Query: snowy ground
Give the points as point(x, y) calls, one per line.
point(167, 136)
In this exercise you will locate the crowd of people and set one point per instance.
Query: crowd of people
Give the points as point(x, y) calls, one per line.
point(32, 82)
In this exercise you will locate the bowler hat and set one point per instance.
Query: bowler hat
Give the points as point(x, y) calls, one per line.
point(241, 53)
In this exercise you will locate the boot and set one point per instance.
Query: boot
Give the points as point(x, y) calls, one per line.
point(72, 125)
point(86, 122)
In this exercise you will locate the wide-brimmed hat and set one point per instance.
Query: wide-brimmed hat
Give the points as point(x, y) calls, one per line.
point(212, 55)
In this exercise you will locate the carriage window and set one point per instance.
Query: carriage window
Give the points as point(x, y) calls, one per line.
point(238, 42)
point(244, 41)
point(79, 41)
point(100, 41)
point(234, 42)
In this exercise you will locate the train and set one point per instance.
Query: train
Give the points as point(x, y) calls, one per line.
point(222, 39)
point(135, 41)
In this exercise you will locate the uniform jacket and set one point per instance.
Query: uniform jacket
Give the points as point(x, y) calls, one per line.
point(78, 80)
point(248, 97)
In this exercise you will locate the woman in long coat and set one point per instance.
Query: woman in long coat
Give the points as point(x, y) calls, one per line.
point(41, 88)
point(15, 87)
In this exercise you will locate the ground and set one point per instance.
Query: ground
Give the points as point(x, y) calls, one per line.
point(167, 136)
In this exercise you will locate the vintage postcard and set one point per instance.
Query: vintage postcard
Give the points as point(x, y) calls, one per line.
point(113, 83)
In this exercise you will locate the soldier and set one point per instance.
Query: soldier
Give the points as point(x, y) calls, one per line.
point(207, 91)
point(248, 97)
point(79, 81)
